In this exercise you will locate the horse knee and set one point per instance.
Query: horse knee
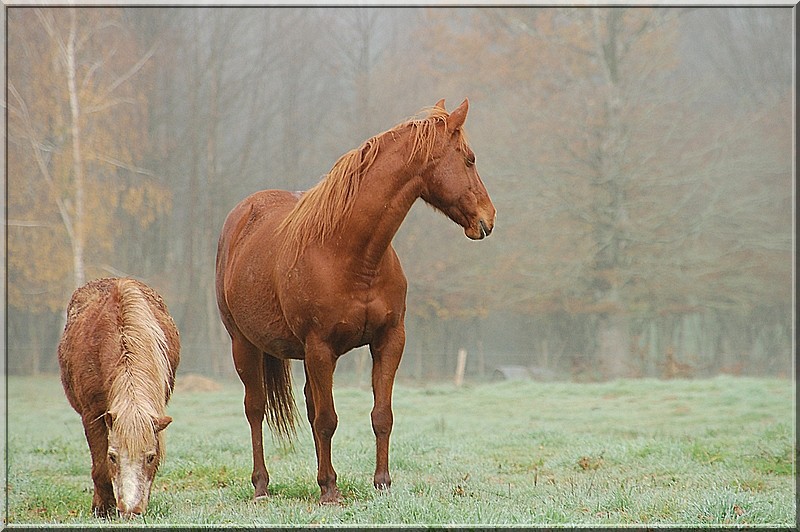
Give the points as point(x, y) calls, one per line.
point(382, 420)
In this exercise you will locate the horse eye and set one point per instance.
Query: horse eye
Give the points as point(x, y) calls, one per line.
point(112, 457)
point(151, 458)
point(471, 159)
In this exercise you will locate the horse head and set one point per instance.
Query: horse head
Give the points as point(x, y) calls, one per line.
point(451, 182)
point(134, 455)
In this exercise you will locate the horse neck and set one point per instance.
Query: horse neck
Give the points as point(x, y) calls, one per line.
point(388, 191)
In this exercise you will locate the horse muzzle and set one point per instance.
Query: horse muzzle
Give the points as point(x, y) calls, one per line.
point(480, 230)
point(129, 513)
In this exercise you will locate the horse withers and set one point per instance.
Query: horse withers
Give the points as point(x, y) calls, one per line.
point(118, 355)
point(311, 277)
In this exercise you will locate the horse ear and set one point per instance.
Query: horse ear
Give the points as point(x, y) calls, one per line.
point(160, 423)
point(458, 116)
point(440, 104)
point(108, 417)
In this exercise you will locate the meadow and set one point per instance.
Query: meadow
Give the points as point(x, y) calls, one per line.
point(711, 452)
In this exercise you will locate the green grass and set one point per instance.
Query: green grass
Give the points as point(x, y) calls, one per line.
point(704, 452)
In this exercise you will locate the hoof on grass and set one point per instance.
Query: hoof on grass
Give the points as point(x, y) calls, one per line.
point(331, 497)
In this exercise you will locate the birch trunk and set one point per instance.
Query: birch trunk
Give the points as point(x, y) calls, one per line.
point(78, 233)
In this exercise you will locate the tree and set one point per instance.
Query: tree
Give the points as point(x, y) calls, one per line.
point(239, 112)
point(640, 161)
point(635, 197)
point(77, 126)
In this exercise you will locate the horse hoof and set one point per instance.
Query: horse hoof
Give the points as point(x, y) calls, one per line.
point(103, 513)
point(331, 498)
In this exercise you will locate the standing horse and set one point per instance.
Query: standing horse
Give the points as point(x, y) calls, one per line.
point(118, 356)
point(313, 276)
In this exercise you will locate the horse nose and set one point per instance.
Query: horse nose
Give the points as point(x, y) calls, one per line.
point(123, 510)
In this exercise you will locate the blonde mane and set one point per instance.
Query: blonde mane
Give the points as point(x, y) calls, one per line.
point(322, 209)
point(140, 388)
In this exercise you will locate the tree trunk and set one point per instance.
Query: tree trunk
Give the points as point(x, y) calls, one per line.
point(614, 344)
point(79, 273)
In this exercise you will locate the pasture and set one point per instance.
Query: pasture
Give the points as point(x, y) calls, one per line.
point(703, 452)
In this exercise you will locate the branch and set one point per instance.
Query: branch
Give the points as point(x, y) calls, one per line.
point(134, 69)
point(108, 103)
point(125, 166)
point(26, 223)
point(62, 209)
point(51, 31)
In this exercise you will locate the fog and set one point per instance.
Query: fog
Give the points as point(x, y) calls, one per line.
point(640, 160)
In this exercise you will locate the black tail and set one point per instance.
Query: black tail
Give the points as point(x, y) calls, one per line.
point(281, 408)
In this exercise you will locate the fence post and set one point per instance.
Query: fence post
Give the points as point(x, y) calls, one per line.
point(461, 367)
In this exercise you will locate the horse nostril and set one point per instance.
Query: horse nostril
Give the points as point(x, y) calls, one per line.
point(485, 230)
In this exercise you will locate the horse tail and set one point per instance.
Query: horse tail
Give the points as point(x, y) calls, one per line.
point(281, 408)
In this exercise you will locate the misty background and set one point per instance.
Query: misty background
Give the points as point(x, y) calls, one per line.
point(640, 160)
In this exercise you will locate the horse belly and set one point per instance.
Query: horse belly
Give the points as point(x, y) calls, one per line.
point(274, 338)
point(285, 348)
point(263, 325)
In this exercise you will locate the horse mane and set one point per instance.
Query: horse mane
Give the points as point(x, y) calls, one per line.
point(321, 210)
point(142, 383)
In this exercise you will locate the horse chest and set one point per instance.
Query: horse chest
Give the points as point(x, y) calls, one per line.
point(345, 322)
point(359, 323)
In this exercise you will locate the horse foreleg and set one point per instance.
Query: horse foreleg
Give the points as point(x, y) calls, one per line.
point(103, 500)
point(320, 362)
point(386, 353)
point(250, 367)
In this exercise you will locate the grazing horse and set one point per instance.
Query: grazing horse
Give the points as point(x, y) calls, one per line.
point(118, 356)
point(311, 276)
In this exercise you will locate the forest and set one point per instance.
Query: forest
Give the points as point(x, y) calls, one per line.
point(640, 159)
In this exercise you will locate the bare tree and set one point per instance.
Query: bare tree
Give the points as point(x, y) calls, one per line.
point(80, 66)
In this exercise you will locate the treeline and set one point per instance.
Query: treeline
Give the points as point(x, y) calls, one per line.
point(640, 160)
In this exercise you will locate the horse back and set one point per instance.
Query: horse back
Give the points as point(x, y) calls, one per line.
point(91, 344)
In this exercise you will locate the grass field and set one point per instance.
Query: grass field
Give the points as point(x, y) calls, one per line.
point(701, 452)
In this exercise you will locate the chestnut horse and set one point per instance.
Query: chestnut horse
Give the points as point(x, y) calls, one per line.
point(118, 356)
point(312, 276)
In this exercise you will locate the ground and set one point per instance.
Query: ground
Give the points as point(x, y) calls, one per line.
point(718, 451)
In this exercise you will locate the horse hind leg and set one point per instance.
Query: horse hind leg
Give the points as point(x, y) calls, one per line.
point(248, 362)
